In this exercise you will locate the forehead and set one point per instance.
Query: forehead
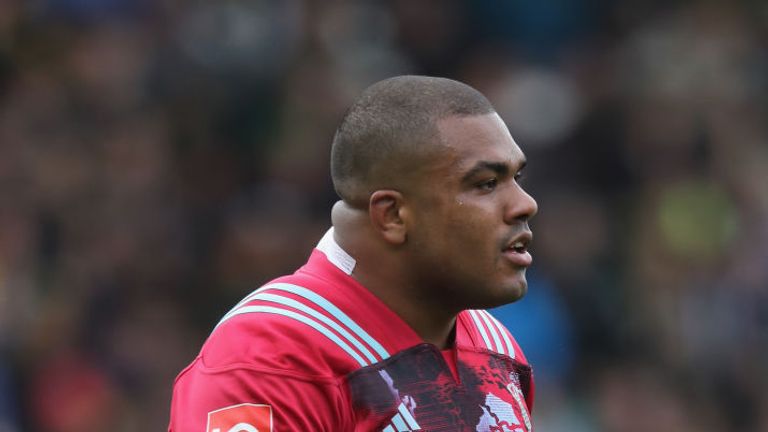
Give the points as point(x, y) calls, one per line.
point(470, 139)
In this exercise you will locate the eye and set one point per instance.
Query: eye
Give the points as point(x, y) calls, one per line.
point(488, 185)
point(520, 175)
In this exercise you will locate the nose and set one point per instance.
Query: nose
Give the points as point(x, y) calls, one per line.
point(520, 207)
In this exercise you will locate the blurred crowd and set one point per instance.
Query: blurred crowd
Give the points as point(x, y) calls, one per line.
point(160, 159)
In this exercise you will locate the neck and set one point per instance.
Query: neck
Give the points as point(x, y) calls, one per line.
point(379, 269)
point(430, 322)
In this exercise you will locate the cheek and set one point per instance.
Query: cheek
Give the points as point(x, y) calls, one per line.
point(473, 238)
point(461, 235)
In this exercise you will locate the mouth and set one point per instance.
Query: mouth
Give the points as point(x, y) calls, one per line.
point(517, 249)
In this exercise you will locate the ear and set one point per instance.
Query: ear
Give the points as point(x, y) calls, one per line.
point(388, 215)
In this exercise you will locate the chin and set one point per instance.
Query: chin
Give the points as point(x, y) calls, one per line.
point(515, 291)
point(509, 293)
point(522, 290)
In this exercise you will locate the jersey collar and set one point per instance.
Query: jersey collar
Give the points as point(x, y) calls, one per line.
point(335, 254)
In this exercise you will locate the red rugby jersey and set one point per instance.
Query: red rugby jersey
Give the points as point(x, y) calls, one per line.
point(316, 351)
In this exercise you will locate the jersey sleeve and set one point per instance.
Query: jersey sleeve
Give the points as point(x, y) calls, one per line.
point(261, 375)
point(239, 398)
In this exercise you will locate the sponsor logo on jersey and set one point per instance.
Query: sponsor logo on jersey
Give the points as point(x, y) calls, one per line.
point(404, 420)
point(498, 416)
point(244, 417)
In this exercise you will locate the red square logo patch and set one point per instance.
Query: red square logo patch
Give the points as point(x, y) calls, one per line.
point(245, 417)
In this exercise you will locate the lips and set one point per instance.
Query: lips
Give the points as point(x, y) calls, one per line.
point(516, 249)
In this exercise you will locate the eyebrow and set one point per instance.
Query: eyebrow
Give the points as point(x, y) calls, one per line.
point(500, 168)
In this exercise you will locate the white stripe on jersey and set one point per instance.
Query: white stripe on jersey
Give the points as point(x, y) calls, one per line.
point(242, 302)
point(480, 328)
point(493, 331)
point(362, 335)
point(502, 342)
point(402, 421)
point(504, 333)
point(306, 320)
point(285, 301)
point(408, 417)
point(399, 423)
point(335, 312)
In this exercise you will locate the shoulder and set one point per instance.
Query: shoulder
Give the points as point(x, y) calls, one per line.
point(284, 328)
point(261, 362)
point(487, 332)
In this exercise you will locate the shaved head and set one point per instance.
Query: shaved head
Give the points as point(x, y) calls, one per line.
point(391, 129)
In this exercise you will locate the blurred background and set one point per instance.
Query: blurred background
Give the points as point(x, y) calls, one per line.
point(159, 159)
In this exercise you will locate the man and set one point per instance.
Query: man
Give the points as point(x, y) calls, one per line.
point(382, 329)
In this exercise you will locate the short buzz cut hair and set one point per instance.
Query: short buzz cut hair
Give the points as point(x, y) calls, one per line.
point(392, 122)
